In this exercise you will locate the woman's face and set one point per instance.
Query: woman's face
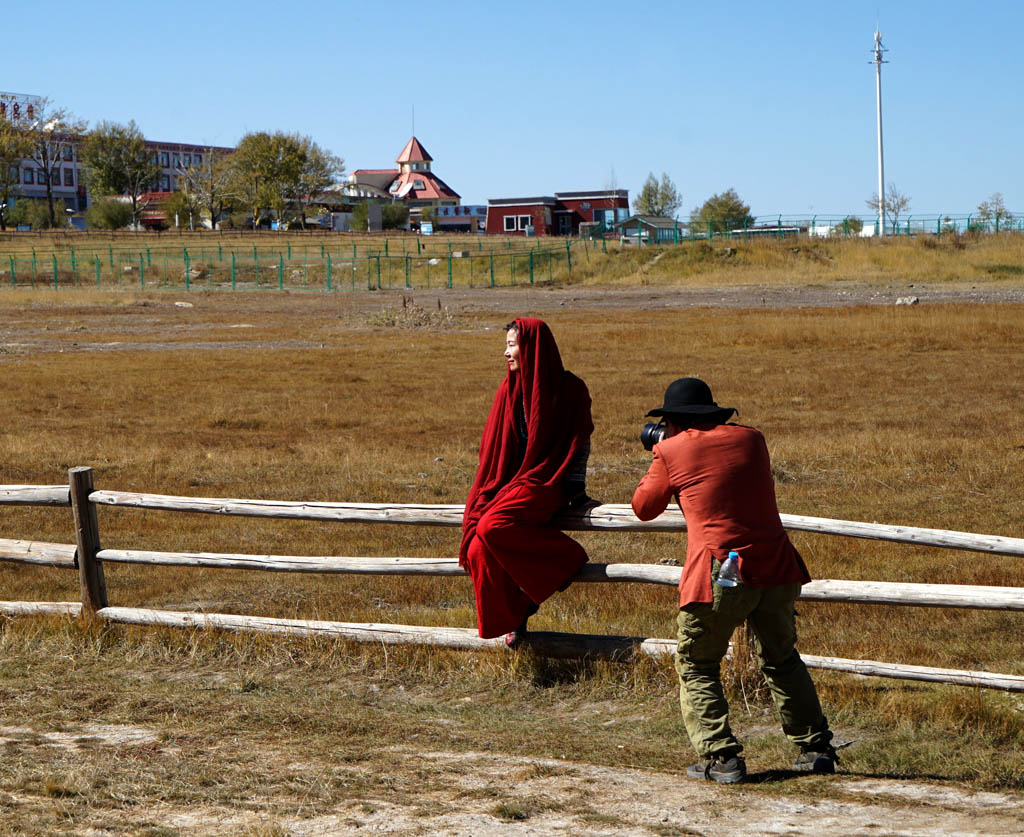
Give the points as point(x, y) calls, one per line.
point(512, 350)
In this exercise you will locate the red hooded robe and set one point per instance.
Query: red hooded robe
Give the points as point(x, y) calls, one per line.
point(515, 558)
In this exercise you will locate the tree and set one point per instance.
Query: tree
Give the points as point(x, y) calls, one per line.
point(394, 216)
point(850, 225)
point(662, 199)
point(266, 170)
point(724, 212)
point(320, 170)
point(36, 213)
point(15, 146)
point(109, 213)
point(117, 161)
point(181, 209)
point(895, 204)
point(208, 183)
point(993, 211)
point(52, 132)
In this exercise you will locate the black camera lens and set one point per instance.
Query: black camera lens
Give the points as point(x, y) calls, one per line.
point(652, 433)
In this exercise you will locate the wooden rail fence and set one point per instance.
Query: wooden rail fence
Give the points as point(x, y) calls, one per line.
point(88, 557)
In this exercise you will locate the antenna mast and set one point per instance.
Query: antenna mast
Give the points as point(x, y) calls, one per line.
point(878, 62)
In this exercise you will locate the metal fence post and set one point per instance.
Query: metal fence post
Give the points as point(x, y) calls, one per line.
point(14, 282)
point(188, 273)
point(87, 540)
point(449, 264)
point(328, 268)
point(568, 257)
point(56, 276)
point(280, 272)
point(142, 271)
point(491, 257)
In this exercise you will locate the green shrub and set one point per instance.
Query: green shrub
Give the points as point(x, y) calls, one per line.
point(109, 214)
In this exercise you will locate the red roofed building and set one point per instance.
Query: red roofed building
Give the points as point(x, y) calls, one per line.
point(560, 214)
point(412, 182)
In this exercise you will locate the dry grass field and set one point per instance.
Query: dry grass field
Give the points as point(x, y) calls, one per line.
point(895, 414)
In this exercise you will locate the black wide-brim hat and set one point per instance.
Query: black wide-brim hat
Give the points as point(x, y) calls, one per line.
point(690, 397)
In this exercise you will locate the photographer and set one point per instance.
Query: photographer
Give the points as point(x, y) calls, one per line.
point(533, 464)
point(720, 475)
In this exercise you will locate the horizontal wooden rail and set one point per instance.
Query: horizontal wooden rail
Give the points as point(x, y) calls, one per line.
point(38, 552)
point(616, 516)
point(40, 608)
point(822, 590)
point(549, 643)
point(35, 495)
point(828, 590)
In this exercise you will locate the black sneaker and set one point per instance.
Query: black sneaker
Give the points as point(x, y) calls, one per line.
point(726, 771)
point(813, 761)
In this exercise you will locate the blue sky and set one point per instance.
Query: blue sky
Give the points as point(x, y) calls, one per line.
point(776, 100)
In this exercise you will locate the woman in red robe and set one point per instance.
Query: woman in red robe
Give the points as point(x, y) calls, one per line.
point(533, 462)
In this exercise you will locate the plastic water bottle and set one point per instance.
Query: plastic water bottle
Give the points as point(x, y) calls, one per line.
point(729, 572)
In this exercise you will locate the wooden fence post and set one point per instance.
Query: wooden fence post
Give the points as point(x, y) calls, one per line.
point(87, 539)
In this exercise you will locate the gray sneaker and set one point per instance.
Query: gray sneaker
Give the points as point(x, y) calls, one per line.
point(726, 771)
point(812, 761)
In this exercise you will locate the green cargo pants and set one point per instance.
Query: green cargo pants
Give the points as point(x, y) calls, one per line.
point(703, 639)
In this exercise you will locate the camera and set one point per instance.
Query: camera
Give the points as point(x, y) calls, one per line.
point(652, 433)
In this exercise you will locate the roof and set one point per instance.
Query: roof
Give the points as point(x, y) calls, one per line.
point(378, 178)
point(600, 193)
point(539, 201)
point(656, 221)
point(413, 152)
point(433, 186)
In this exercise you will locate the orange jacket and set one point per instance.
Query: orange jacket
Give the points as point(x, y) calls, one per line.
point(721, 477)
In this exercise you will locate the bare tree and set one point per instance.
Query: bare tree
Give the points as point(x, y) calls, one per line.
point(894, 205)
point(208, 182)
point(993, 211)
point(53, 132)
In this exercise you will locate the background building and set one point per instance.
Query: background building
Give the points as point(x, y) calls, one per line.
point(412, 182)
point(560, 214)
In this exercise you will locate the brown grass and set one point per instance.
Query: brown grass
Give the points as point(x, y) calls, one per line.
point(359, 261)
point(900, 415)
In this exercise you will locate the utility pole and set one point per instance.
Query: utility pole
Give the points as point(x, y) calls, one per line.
point(878, 62)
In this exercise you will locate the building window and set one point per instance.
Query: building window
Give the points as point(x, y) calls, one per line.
point(41, 176)
point(69, 176)
point(55, 177)
point(164, 159)
point(29, 178)
point(176, 160)
point(15, 174)
point(510, 223)
point(418, 184)
point(165, 183)
point(188, 160)
point(67, 152)
point(198, 159)
point(525, 221)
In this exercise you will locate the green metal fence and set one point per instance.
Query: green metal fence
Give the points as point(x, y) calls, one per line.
point(783, 226)
point(353, 267)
